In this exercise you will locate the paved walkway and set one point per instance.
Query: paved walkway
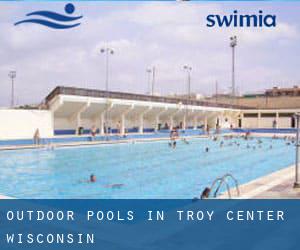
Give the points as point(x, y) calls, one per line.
point(98, 142)
point(278, 185)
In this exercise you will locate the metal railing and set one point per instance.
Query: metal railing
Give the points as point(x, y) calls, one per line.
point(220, 182)
point(130, 96)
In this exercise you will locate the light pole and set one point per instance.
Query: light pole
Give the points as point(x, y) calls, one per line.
point(188, 69)
point(12, 75)
point(149, 72)
point(217, 91)
point(107, 51)
point(153, 79)
point(297, 181)
point(153, 72)
point(233, 44)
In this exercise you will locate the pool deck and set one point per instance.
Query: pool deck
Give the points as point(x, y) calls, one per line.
point(130, 140)
point(5, 197)
point(98, 142)
point(277, 185)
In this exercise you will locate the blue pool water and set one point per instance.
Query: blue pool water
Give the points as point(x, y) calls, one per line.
point(147, 170)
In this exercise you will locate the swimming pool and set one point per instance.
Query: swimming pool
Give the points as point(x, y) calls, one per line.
point(147, 170)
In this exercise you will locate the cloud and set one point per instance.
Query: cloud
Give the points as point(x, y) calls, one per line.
point(165, 35)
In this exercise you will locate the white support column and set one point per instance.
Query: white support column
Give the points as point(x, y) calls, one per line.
point(195, 121)
point(101, 127)
point(277, 120)
point(171, 117)
point(242, 119)
point(184, 122)
point(258, 119)
point(171, 122)
point(157, 118)
point(122, 132)
point(123, 119)
point(205, 123)
point(77, 116)
point(59, 102)
point(156, 122)
point(141, 120)
point(78, 122)
point(141, 123)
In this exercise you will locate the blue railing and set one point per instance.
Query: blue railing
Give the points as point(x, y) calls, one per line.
point(266, 130)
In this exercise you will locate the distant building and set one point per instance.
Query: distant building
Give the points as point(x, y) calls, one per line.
point(274, 92)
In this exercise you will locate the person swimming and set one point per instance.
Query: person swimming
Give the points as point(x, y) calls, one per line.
point(207, 149)
point(185, 141)
point(93, 178)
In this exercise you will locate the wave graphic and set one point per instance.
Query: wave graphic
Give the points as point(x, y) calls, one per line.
point(53, 18)
point(48, 24)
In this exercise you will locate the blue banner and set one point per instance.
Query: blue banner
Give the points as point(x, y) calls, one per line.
point(149, 224)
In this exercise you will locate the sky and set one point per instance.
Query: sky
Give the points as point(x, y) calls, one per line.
point(144, 34)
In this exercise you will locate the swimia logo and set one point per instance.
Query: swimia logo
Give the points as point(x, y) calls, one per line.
point(242, 20)
point(52, 19)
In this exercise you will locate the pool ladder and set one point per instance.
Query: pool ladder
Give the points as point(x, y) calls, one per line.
point(223, 180)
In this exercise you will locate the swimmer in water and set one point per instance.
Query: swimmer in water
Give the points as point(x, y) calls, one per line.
point(207, 149)
point(185, 141)
point(92, 178)
point(248, 146)
point(205, 193)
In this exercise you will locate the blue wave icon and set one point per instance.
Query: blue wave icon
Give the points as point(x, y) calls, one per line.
point(55, 20)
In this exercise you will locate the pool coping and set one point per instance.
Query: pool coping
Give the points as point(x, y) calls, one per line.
point(253, 189)
point(90, 143)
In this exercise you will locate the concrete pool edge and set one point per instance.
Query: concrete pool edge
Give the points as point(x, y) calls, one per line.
point(276, 185)
point(91, 143)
